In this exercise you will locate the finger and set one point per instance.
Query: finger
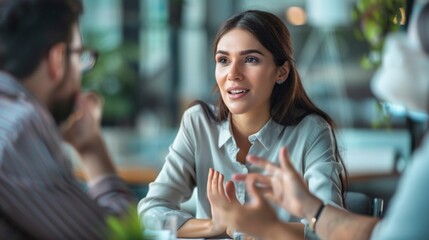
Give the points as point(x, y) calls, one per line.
point(262, 180)
point(93, 102)
point(209, 181)
point(239, 177)
point(214, 181)
point(71, 120)
point(97, 101)
point(266, 191)
point(92, 96)
point(254, 193)
point(284, 157)
point(220, 188)
point(269, 195)
point(230, 192)
point(262, 163)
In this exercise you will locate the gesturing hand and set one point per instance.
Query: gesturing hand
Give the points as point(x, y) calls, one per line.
point(253, 218)
point(283, 184)
point(219, 201)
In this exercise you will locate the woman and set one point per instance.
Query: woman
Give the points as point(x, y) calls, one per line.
point(262, 107)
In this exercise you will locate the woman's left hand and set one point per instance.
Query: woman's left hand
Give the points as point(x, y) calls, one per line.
point(219, 201)
point(254, 218)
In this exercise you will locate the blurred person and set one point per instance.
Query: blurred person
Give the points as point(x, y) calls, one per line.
point(41, 60)
point(398, 80)
point(262, 107)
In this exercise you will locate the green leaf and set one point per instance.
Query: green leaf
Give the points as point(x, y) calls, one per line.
point(126, 227)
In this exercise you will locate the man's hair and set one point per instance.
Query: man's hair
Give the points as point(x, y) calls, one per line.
point(30, 28)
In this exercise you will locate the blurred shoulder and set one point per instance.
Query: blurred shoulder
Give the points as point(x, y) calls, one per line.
point(16, 117)
point(197, 111)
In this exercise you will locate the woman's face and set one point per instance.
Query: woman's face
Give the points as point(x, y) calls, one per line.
point(245, 73)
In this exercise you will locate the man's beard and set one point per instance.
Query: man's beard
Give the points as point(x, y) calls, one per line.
point(61, 109)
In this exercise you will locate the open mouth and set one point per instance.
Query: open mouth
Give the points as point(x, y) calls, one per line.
point(236, 92)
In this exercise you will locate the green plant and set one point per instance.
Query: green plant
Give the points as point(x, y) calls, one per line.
point(115, 78)
point(383, 119)
point(375, 20)
point(125, 228)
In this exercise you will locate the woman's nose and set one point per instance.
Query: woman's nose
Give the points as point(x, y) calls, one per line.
point(235, 72)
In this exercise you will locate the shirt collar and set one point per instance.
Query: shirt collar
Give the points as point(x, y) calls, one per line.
point(267, 135)
point(11, 87)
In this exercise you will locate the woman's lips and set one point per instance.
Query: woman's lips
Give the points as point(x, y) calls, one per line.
point(237, 93)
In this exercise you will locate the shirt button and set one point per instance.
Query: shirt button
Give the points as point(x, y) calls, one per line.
point(244, 170)
point(252, 138)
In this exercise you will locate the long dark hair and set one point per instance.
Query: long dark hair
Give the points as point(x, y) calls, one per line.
point(289, 102)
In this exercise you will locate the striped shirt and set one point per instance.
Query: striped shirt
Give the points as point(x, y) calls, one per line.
point(39, 196)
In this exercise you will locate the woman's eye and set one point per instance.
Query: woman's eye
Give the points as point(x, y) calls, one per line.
point(252, 60)
point(222, 60)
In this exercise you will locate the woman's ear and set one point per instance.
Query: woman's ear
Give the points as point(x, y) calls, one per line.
point(56, 60)
point(284, 71)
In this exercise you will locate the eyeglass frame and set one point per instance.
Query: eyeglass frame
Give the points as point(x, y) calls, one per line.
point(82, 51)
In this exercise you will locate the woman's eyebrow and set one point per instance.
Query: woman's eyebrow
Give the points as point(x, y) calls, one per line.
point(244, 52)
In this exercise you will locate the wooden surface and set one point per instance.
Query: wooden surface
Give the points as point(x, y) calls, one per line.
point(372, 176)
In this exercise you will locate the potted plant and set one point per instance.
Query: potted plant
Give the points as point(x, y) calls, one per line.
point(375, 19)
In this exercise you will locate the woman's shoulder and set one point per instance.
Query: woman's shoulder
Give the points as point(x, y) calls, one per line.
point(197, 109)
point(197, 112)
point(314, 121)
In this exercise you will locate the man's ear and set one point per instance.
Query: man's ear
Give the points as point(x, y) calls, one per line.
point(56, 61)
point(284, 71)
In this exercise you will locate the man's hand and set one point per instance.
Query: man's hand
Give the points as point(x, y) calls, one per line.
point(82, 130)
point(83, 126)
point(283, 184)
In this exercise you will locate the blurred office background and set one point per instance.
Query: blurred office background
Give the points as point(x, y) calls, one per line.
point(156, 57)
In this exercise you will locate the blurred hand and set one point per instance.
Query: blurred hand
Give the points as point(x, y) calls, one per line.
point(253, 218)
point(283, 185)
point(83, 126)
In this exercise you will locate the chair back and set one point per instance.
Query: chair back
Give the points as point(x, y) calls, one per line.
point(361, 203)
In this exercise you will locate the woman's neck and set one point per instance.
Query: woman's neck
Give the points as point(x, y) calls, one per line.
point(246, 124)
point(242, 127)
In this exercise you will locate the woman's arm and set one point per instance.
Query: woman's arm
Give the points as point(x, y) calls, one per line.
point(175, 182)
point(322, 170)
point(197, 228)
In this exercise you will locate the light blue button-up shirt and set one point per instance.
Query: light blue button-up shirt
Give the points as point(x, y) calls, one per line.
point(202, 144)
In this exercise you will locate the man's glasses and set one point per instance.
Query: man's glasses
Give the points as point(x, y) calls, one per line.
point(87, 58)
